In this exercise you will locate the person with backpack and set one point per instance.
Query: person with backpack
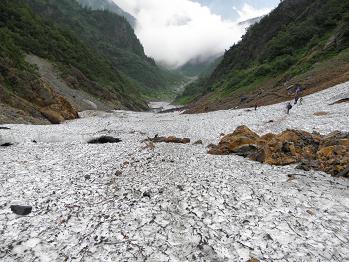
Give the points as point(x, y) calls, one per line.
point(298, 93)
point(288, 108)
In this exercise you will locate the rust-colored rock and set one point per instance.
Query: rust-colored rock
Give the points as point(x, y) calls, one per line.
point(232, 143)
point(170, 139)
point(245, 131)
point(253, 260)
point(52, 116)
point(321, 113)
point(328, 153)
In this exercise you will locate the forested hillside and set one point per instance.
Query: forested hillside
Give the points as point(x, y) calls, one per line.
point(22, 32)
point(301, 41)
point(111, 36)
point(110, 6)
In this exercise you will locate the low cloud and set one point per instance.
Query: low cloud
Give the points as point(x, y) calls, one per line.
point(175, 32)
point(248, 12)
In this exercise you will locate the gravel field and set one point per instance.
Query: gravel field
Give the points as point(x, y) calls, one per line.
point(131, 202)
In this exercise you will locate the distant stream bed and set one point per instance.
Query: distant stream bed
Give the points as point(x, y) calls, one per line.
point(158, 107)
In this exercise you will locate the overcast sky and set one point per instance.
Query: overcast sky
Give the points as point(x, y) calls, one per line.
point(228, 8)
point(174, 32)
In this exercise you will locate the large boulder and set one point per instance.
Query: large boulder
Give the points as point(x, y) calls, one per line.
point(233, 143)
point(328, 153)
point(53, 116)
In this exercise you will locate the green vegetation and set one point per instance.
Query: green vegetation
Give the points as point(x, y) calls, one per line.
point(288, 42)
point(108, 5)
point(197, 88)
point(23, 32)
point(192, 92)
point(200, 68)
point(110, 36)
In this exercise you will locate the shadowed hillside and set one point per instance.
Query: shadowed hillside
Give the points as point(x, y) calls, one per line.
point(111, 36)
point(110, 6)
point(22, 32)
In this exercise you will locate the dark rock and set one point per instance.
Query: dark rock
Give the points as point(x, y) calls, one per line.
point(34, 141)
point(344, 100)
point(308, 165)
point(344, 173)
point(87, 177)
point(180, 187)
point(104, 140)
point(21, 210)
point(243, 98)
point(199, 142)
point(246, 150)
point(6, 144)
point(286, 147)
point(147, 194)
point(268, 237)
point(4, 128)
point(271, 121)
point(118, 173)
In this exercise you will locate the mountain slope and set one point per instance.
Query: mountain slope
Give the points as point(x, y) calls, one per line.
point(301, 41)
point(109, 35)
point(110, 6)
point(22, 32)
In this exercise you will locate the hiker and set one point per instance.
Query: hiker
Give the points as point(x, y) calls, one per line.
point(301, 101)
point(288, 107)
point(255, 107)
point(298, 93)
point(299, 89)
point(296, 99)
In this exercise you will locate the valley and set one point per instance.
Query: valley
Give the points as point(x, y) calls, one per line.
point(138, 201)
point(226, 140)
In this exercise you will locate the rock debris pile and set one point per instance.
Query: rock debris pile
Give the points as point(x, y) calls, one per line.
point(328, 153)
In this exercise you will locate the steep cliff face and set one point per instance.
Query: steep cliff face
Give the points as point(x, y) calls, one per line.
point(301, 41)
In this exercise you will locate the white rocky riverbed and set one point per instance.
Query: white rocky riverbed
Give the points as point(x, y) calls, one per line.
point(128, 202)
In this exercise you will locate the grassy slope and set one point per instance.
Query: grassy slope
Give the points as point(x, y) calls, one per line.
point(196, 89)
point(293, 40)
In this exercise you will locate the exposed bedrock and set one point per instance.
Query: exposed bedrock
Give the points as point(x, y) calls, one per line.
point(328, 153)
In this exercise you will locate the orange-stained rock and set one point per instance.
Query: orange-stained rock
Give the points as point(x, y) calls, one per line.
point(52, 116)
point(253, 260)
point(233, 143)
point(245, 131)
point(52, 106)
point(328, 153)
point(268, 137)
point(170, 139)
